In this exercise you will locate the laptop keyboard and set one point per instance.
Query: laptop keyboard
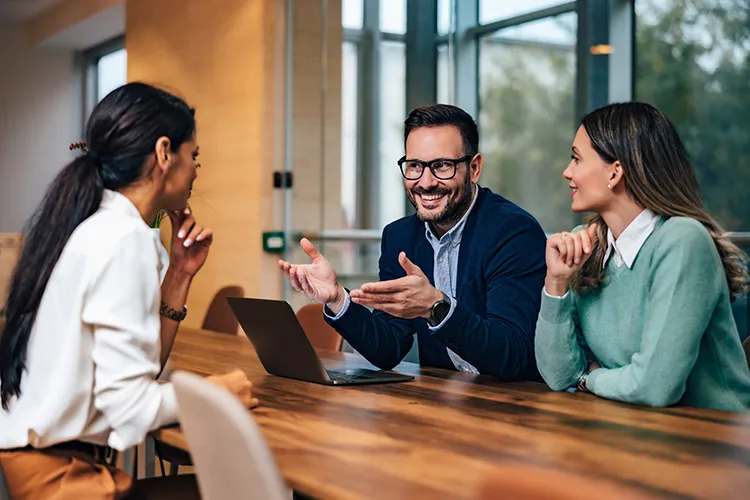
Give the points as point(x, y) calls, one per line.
point(346, 377)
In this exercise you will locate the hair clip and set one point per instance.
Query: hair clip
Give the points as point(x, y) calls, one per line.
point(78, 145)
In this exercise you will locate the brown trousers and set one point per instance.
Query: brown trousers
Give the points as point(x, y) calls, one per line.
point(57, 475)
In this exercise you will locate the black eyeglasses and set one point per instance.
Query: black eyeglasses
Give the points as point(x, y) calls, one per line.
point(441, 168)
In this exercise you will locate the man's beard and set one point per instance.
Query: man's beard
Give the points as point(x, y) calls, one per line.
point(453, 211)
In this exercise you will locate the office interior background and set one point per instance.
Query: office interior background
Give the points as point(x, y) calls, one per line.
point(316, 91)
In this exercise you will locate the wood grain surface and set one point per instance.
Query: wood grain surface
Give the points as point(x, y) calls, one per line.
point(439, 436)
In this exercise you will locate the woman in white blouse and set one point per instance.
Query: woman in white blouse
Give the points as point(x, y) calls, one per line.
point(89, 324)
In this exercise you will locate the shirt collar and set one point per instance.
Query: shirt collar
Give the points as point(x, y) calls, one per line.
point(112, 200)
point(456, 231)
point(632, 238)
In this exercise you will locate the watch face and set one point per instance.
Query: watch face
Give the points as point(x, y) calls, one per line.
point(441, 310)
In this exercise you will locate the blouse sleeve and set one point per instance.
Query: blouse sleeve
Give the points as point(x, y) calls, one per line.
point(122, 309)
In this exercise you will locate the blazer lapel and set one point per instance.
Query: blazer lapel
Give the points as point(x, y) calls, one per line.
point(467, 237)
point(424, 257)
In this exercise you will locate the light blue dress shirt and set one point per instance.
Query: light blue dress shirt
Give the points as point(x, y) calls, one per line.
point(445, 252)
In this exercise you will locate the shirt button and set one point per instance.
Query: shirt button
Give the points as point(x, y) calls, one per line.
point(441, 260)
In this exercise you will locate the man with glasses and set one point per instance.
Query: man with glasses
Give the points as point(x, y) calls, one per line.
point(464, 273)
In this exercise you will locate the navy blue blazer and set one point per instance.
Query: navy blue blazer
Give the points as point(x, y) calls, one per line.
point(501, 269)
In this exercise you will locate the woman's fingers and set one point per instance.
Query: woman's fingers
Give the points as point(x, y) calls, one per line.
point(562, 246)
point(192, 236)
point(186, 227)
point(578, 248)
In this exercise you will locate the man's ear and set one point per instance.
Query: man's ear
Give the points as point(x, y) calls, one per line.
point(475, 168)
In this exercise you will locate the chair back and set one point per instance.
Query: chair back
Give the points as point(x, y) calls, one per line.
point(521, 482)
point(231, 457)
point(320, 333)
point(220, 317)
point(10, 250)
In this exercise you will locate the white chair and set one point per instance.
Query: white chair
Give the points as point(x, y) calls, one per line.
point(231, 457)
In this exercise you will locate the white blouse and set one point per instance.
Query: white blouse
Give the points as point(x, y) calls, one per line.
point(93, 354)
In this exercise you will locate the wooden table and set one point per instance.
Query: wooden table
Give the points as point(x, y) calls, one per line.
point(438, 437)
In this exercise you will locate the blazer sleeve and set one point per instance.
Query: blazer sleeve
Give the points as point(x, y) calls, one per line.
point(383, 340)
point(502, 342)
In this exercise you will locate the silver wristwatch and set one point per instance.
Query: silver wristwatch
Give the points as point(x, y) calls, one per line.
point(582, 381)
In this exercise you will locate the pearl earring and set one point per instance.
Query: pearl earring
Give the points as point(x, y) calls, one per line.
point(609, 185)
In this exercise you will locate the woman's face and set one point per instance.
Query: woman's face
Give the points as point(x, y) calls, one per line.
point(588, 175)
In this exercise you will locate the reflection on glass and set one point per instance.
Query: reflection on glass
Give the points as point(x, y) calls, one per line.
point(555, 30)
point(111, 72)
point(393, 16)
point(496, 10)
point(526, 119)
point(693, 63)
point(444, 83)
point(349, 82)
point(351, 14)
point(392, 114)
point(445, 10)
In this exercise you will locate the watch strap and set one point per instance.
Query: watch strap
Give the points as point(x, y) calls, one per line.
point(168, 312)
point(432, 320)
point(581, 385)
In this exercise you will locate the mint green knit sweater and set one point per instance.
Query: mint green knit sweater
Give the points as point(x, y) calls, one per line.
point(663, 331)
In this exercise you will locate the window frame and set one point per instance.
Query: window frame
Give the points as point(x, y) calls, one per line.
point(88, 61)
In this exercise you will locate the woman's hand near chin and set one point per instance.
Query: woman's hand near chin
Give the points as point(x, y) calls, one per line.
point(566, 254)
point(190, 242)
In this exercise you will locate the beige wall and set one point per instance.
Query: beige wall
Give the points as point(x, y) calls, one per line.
point(317, 199)
point(222, 58)
point(215, 59)
point(39, 118)
point(222, 61)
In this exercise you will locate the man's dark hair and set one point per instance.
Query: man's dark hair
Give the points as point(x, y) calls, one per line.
point(439, 115)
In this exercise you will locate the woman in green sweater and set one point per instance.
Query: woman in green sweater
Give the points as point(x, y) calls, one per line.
point(636, 305)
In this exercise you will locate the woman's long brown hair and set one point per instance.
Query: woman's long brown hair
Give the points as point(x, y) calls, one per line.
point(659, 176)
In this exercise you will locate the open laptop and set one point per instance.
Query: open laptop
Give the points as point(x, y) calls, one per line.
point(284, 349)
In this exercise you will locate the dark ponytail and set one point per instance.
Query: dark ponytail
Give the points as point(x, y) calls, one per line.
point(121, 133)
point(73, 196)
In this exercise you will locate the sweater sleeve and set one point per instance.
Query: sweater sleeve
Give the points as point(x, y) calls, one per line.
point(685, 285)
point(559, 346)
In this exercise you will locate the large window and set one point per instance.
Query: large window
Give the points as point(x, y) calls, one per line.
point(111, 72)
point(527, 81)
point(373, 106)
point(104, 69)
point(352, 14)
point(349, 136)
point(494, 10)
point(393, 105)
point(693, 63)
point(393, 16)
point(525, 90)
